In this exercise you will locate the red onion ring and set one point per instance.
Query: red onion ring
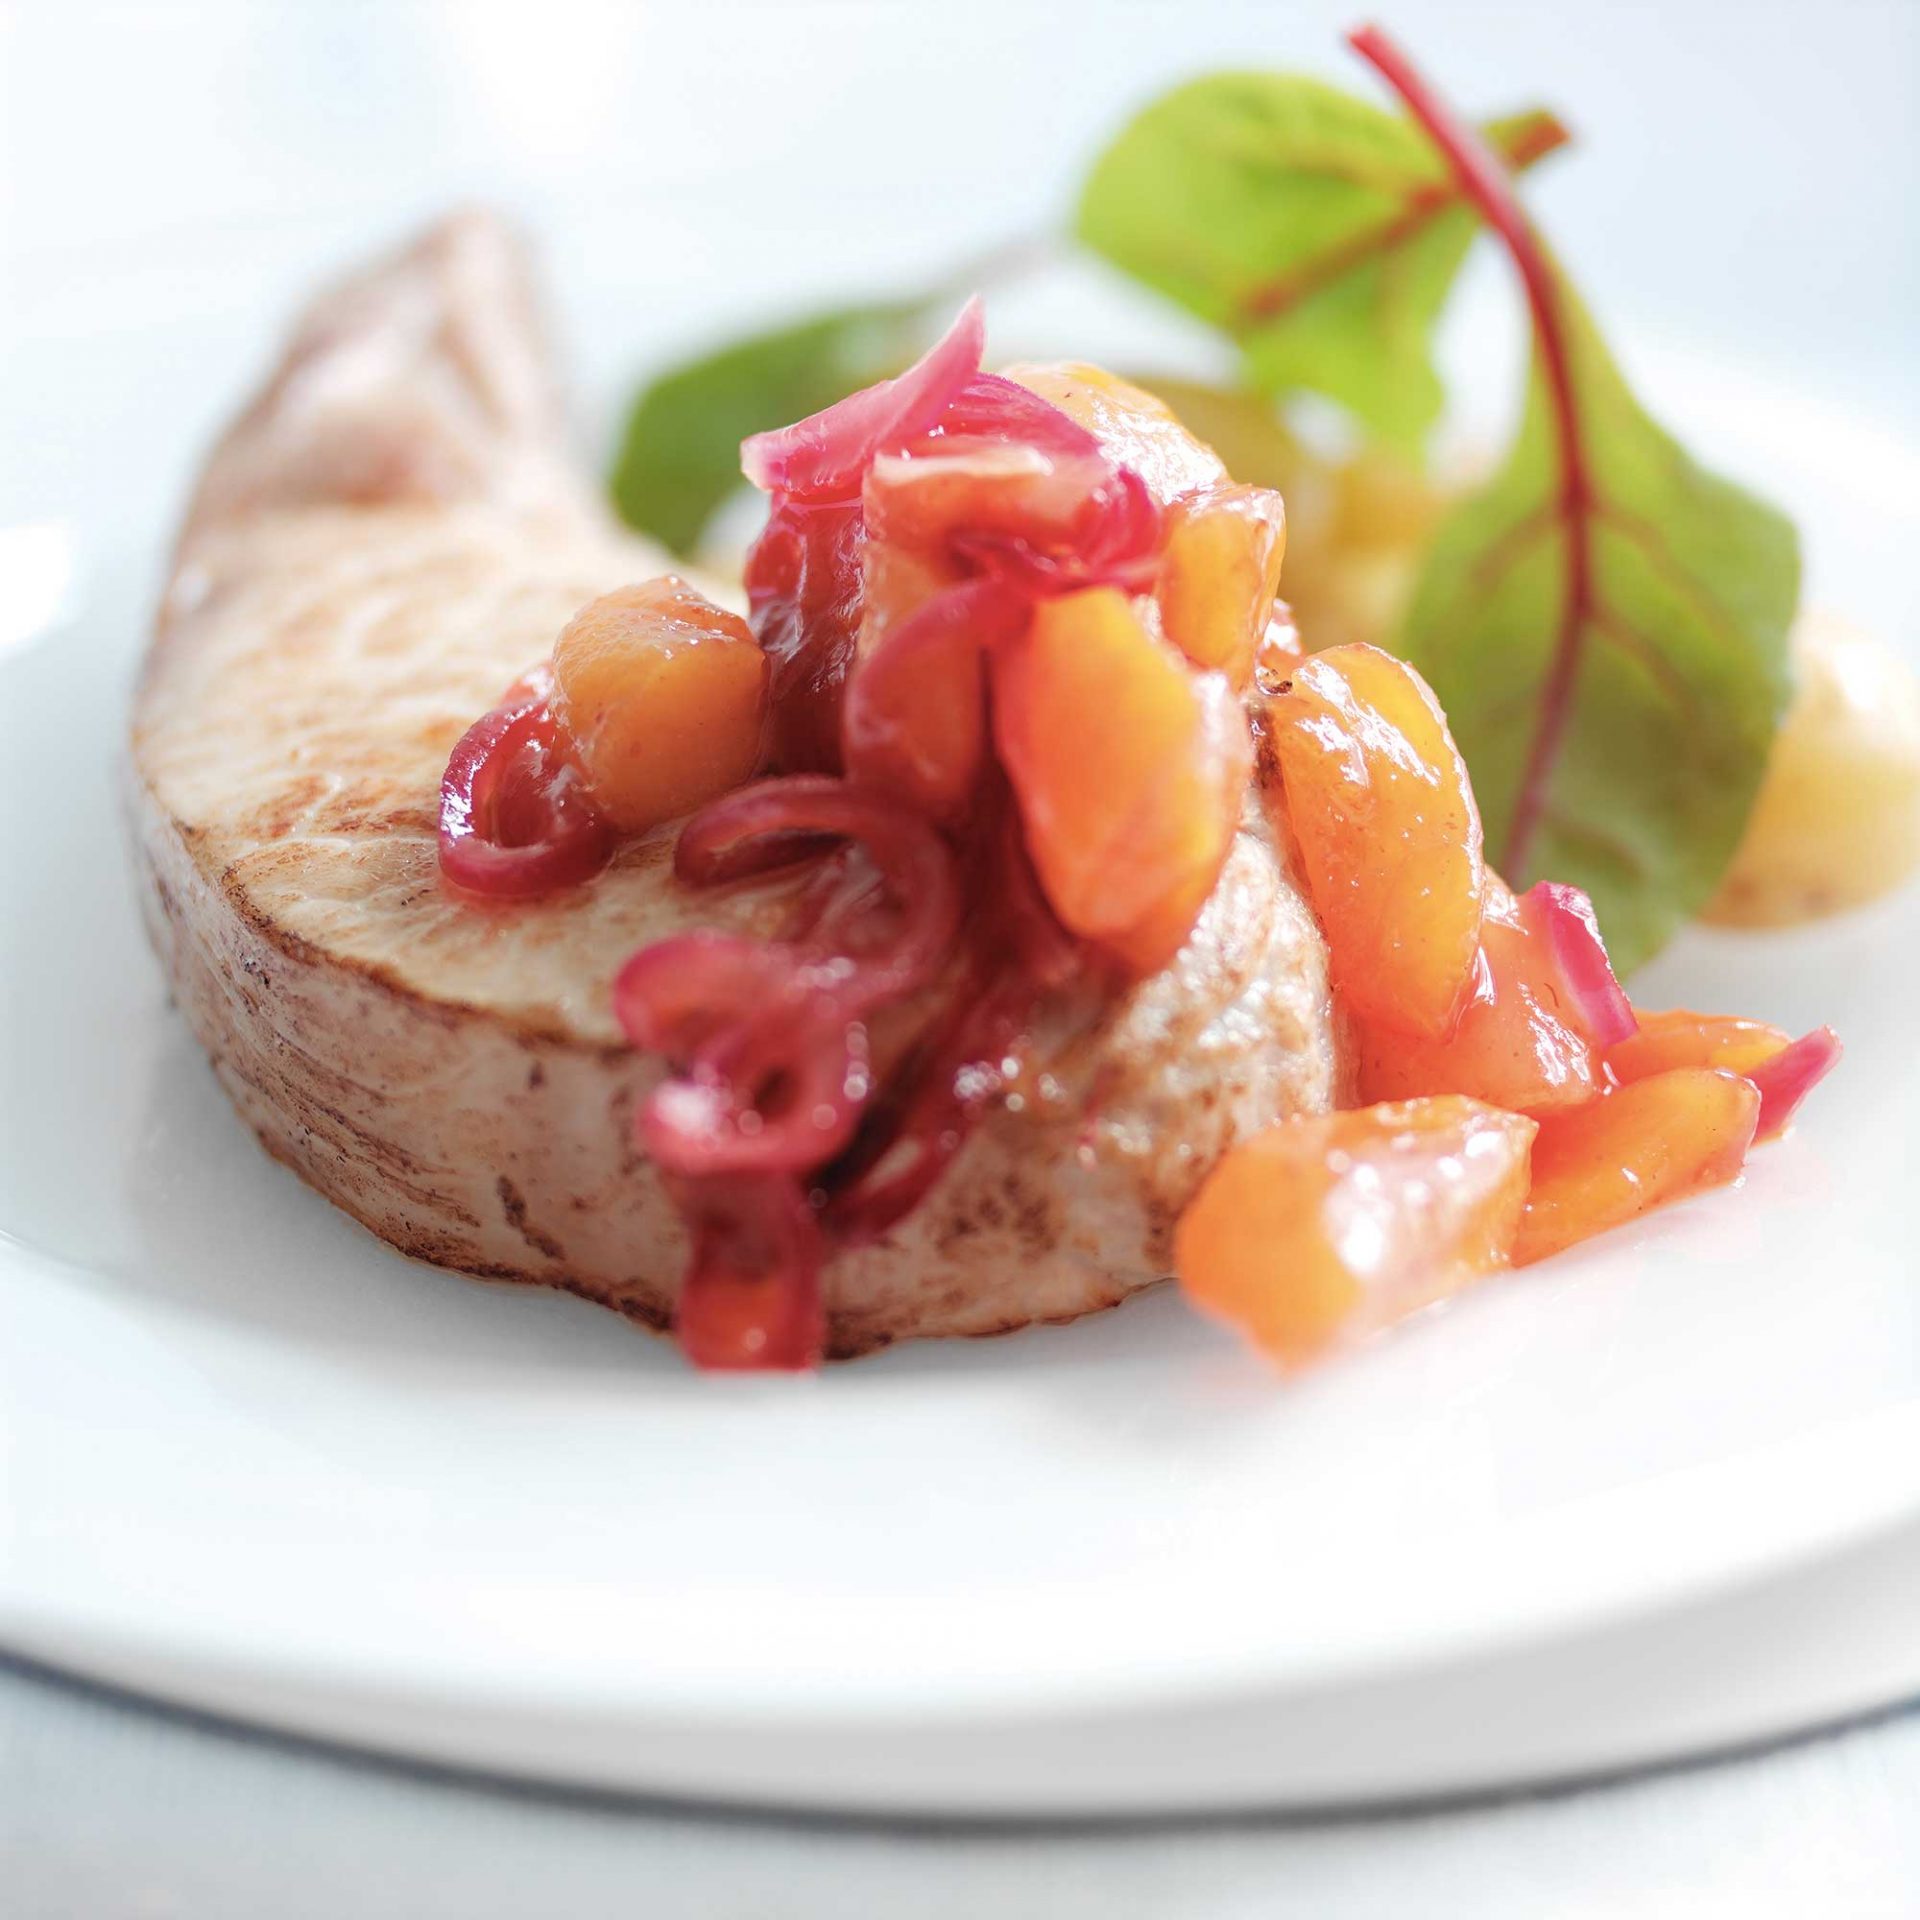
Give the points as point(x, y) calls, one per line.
point(672, 997)
point(803, 581)
point(731, 839)
point(768, 1040)
point(782, 1091)
point(515, 816)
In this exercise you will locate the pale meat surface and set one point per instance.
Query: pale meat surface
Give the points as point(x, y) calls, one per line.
point(386, 539)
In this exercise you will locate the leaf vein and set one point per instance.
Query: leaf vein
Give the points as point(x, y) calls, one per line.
point(1420, 207)
point(1492, 565)
point(1649, 540)
point(1619, 632)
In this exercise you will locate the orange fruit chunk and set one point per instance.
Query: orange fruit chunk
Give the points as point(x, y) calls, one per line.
point(915, 717)
point(1784, 1069)
point(896, 580)
point(917, 506)
point(1133, 426)
point(1223, 765)
point(660, 696)
point(976, 486)
point(1128, 768)
point(1325, 1228)
point(1388, 833)
point(1678, 1038)
point(1220, 573)
point(1642, 1146)
point(1517, 1044)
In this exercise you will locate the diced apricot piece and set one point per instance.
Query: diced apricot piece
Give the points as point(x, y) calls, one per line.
point(1678, 1038)
point(1517, 1044)
point(1642, 1146)
point(1224, 764)
point(1219, 575)
point(895, 581)
point(915, 717)
point(1128, 767)
point(1133, 426)
point(922, 510)
point(986, 487)
point(1325, 1228)
point(1784, 1070)
point(1388, 832)
point(1154, 939)
point(661, 697)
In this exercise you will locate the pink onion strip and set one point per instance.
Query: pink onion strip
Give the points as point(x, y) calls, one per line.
point(992, 407)
point(1598, 1001)
point(826, 455)
point(1789, 1076)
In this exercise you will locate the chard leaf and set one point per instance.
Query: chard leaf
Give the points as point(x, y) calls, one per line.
point(1320, 232)
point(681, 456)
point(1634, 778)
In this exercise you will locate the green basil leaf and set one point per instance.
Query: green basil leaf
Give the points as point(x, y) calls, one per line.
point(1320, 232)
point(1680, 669)
point(680, 459)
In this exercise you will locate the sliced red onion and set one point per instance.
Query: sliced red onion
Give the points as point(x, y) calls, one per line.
point(750, 1300)
point(992, 407)
point(780, 1092)
point(931, 1110)
point(672, 997)
point(1115, 542)
point(803, 580)
point(1596, 999)
point(1040, 949)
point(730, 839)
point(954, 628)
point(1790, 1075)
point(826, 455)
point(516, 819)
point(933, 1104)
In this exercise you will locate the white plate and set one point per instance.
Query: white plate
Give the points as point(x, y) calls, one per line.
point(255, 1461)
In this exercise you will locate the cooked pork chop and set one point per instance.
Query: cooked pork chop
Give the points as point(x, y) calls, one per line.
point(387, 538)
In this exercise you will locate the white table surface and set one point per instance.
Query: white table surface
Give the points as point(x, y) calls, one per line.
point(109, 1811)
point(169, 148)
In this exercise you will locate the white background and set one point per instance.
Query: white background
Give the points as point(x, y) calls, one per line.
point(1748, 178)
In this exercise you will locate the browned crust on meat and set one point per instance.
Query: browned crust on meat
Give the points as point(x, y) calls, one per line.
point(288, 1029)
point(528, 1174)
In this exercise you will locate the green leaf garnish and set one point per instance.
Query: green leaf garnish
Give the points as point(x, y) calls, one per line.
point(1606, 624)
point(681, 457)
point(1635, 783)
point(1321, 233)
